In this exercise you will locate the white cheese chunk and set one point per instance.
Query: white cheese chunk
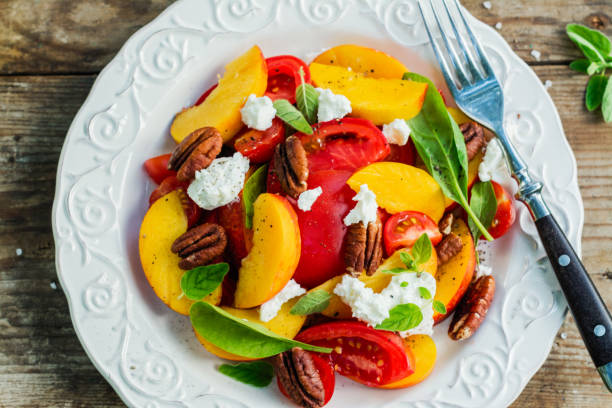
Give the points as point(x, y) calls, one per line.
point(257, 113)
point(220, 183)
point(483, 270)
point(332, 106)
point(366, 208)
point(308, 198)
point(397, 132)
point(269, 310)
point(366, 305)
point(493, 165)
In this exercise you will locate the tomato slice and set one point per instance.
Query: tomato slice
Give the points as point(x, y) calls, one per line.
point(361, 353)
point(258, 145)
point(402, 154)
point(326, 373)
point(344, 144)
point(506, 212)
point(157, 168)
point(169, 184)
point(284, 76)
point(404, 228)
point(205, 95)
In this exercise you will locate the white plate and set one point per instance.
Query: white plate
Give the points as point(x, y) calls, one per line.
point(147, 352)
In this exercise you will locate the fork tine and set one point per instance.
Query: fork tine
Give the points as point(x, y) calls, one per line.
point(483, 58)
point(450, 81)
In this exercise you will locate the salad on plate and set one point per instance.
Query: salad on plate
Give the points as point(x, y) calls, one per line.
point(324, 218)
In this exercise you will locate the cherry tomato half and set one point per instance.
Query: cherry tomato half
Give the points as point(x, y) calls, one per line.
point(284, 76)
point(404, 228)
point(344, 144)
point(326, 373)
point(506, 213)
point(169, 184)
point(361, 353)
point(258, 145)
point(157, 168)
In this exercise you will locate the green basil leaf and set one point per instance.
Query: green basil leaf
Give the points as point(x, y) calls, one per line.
point(396, 270)
point(200, 282)
point(313, 302)
point(595, 68)
point(403, 284)
point(254, 186)
point(580, 65)
point(291, 116)
point(424, 292)
point(606, 102)
point(441, 146)
point(256, 373)
point(408, 260)
point(484, 204)
point(402, 317)
point(439, 307)
point(421, 250)
point(307, 99)
point(593, 44)
point(238, 336)
point(595, 91)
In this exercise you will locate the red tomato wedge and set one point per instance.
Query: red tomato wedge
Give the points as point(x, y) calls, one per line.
point(402, 154)
point(326, 373)
point(344, 144)
point(258, 145)
point(157, 168)
point(404, 228)
point(284, 76)
point(506, 212)
point(170, 184)
point(361, 353)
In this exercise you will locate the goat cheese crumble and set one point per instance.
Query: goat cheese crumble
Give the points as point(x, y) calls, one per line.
point(366, 208)
point(493, 165)
point(269, 310)
point(220, 183)
point(308, 197)
point(258, 113)
point(332, 106)
point(397, 132)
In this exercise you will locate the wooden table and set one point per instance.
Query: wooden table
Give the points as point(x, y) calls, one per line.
point(50, 53)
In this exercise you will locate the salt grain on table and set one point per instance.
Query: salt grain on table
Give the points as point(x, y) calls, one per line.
point(487, 5)
point(536, 54)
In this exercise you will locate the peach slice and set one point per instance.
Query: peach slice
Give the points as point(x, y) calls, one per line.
point(247, 74)
point(284, 324)
point(400, 187)
point(367, 61)
point(424, 350)
point(377, 282)
point(275, 254)
point(454, 277)
point(380, 100)
point(163, 223)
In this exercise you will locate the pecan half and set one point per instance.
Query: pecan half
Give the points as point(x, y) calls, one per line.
point(363, 248)
point(473, 308)
point(297, 373)
point(200, 245)
point(291, 166)
point(195, 152)
point(446, 223)
point(474, 137)
point(450, 246)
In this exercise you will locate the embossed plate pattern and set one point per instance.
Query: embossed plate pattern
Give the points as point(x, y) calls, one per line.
point(148, 353)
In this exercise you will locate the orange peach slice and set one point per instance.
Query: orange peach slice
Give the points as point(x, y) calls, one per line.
point(275, 254)
point(367, 61)
point(400, 187)
point(424, 350)
point(162, 225)
point(247, 74)
point(454, 277)
point(380, 100)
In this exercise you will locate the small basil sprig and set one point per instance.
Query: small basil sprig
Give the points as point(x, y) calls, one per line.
point(256, 373)
point(484, 204)
point(200, 282)
point(402, 317)
point(255, 185)
point(291, 116)
point(417, 256)
point(439, 307)
point(313, 302)
point(307, 99)
point(596, 47)
point(241, 337)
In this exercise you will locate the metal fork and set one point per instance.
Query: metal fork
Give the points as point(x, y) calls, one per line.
point(478, 93)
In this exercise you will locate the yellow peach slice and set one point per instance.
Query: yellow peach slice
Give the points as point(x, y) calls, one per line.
point(367, 61)
point(162, 225)
point(275, 254)
point(400, 187)
point(247, 74)
point(424, 350)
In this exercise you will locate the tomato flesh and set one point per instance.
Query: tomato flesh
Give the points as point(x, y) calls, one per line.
point(404, 228)
point(402, 154)
point(284, 76)
point(169, 184)
point(326, 373)
point(505, 214)
point(231, 218)
point(258, 145)
point(157, 168)
point(361, 353)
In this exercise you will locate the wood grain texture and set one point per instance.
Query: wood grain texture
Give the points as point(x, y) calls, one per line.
point(41, 360)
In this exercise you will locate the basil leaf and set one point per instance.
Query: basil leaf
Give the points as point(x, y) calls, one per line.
point(307, 99)
point(424, 292)
point(595, 91)
point(593, 44)
point(200, 282)
point(403, 284)
point(439, 307)
point(402, 317)
point(580, 65)
point(313, 302)
point(421, 250)
point(441, 146)
point(256, 373)
point(606, 102)
point(291, 116)
point(408, 260)
point(594, 68)
point(238, 336)
point(255, 185)
point(484, 205)
point(396, 270)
